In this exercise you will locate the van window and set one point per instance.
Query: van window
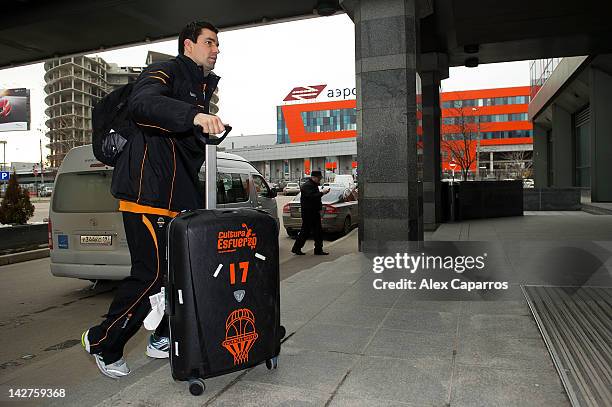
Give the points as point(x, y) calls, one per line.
point(84, 192)
point(261, 187)
point(232, 188)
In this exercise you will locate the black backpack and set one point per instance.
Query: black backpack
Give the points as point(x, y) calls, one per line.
point(111, 125)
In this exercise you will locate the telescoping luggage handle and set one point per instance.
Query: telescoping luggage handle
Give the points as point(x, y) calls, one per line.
point(214, 140)
point(210, 196)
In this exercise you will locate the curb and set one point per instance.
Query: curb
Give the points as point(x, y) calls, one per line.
point(23, 256)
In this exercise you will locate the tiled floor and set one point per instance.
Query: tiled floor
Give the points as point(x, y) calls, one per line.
point(352, 345)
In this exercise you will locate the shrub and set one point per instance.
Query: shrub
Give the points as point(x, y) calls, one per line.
point(16, 206)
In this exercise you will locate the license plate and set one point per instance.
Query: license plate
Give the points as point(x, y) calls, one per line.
point(102, 240)
point(296, 212)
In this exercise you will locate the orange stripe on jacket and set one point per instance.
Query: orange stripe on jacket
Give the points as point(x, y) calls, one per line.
point(127, 206)
point(160, 78)
point(144, 156)
point(150, 125)
point(173, 174)
point(161, 72)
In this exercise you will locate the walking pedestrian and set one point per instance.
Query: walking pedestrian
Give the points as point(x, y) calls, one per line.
point(311, 206)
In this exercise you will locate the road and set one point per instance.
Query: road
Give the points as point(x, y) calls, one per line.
point(42, 317)
point(41, 210)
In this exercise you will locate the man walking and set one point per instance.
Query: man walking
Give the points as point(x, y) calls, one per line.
point(155, 178)
point(310, 202)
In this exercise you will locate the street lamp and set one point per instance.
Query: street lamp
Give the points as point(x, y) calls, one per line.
point(477, 146)
point(3, 142)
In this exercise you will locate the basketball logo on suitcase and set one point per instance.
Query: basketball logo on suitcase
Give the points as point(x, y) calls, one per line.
point(240, 334)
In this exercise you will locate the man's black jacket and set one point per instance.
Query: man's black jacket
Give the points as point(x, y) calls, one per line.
point(310, 200)
point(159, 165)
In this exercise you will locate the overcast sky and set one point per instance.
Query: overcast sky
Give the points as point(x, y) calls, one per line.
point(258, 67)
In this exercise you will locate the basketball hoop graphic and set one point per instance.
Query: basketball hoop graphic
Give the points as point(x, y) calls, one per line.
point(240, 334)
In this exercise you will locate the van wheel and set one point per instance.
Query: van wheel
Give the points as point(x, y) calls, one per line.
point(347, 226)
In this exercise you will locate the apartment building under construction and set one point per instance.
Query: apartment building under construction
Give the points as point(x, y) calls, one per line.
point(73, 85)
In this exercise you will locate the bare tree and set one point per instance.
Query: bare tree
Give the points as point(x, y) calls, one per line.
point(459, 145)
point(520, 163)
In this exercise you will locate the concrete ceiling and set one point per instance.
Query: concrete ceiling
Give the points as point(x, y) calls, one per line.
point(490, 31)
point(513, 30)
point(35, 30)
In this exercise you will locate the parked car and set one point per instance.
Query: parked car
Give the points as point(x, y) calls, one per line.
point(340, 212)
point(274, 186)
point(528, 183)
point(86, 234)
point(292, 188)
point(47, 190)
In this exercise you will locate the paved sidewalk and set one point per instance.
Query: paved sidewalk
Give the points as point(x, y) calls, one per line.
point(351, 345)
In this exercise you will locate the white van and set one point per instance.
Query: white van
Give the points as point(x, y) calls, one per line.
point(86, 235)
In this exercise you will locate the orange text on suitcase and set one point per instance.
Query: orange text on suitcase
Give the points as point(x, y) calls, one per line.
point(230, 240)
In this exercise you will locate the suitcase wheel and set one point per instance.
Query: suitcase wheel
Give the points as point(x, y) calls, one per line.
point(196, 387)
point(281, 332)
point(272, 363)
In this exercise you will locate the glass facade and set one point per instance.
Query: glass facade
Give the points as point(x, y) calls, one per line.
point(486, 118)
point(506, 100)
point(282, 134)
point(330, 120)
point(490, 135)
point(318, 121)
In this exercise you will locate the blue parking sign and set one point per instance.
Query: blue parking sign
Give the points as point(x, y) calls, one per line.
point(4, 175)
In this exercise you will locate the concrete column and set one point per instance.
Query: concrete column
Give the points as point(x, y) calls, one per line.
point(601, 135)
point(491, 166)
point(432, 196)
point(385, 56)
point(562, 147)
point(540, 156)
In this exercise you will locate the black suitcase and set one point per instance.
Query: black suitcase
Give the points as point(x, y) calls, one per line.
point(223, 294)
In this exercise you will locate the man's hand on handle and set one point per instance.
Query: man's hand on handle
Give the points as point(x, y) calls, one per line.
point(325, 191)
point(209, 123)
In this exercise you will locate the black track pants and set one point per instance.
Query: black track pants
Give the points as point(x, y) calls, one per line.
point(146, 239)
point(311, 226)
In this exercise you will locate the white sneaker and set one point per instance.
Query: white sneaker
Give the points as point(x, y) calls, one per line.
point(85, 341)
point(113, 370)
point(158, 347)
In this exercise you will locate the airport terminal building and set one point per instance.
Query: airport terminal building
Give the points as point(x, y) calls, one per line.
point(317, 130)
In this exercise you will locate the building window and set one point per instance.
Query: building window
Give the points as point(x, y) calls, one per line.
point(330, 120)
point(582, 139)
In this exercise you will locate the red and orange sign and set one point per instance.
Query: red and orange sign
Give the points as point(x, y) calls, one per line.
point(240, 334)
point(304, 92)
point(231, 240)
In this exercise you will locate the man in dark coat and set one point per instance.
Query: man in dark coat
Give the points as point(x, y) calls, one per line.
point(155, 178)
point(311, 205)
